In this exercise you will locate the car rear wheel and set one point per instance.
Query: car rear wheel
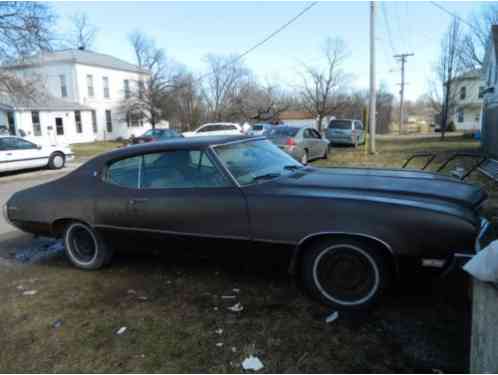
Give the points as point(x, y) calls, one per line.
point(305, 157)
point(57, 160)
point(85, 248)
point(346, 274)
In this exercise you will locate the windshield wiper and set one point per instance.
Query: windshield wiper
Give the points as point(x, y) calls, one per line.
point(266, 176)
point(292, 167)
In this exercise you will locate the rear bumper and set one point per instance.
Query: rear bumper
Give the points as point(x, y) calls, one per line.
point(341, 140)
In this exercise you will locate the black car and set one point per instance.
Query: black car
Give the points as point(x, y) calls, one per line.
point(348, 231)
point(153, 135)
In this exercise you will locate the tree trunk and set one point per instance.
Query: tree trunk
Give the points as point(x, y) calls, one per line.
point(320, 120)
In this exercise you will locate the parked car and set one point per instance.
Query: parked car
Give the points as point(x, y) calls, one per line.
point(217, 128)
point(349, 233)
point(349, 132)
point(261, 129)
point(303, 143)
point(17, 153)
point(153, 135)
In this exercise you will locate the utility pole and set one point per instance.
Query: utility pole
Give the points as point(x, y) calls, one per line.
point(402, 58)
point(372, 110)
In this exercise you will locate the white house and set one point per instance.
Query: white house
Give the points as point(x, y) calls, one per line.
point(81, 95)
point(467, 93)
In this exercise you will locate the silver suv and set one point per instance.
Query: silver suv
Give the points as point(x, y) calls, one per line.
point(350, 132)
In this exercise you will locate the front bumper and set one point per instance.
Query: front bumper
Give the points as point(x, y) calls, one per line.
point(458, 260)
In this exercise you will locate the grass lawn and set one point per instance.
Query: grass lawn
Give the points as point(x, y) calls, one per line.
point(84, 151)
point(172, 302)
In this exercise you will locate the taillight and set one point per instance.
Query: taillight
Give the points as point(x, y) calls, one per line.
point(291, 142)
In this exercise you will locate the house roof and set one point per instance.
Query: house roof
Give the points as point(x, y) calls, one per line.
point(43, 102)
point(77, 56)
point(470, 74)
point(296, 115)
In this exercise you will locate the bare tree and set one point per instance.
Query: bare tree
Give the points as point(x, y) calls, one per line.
point(188, 107)
point(447, 71)
point(222, 84)
point(148, 98)
point(25, 28)
point(83, 32)
point(474, 42)
point(322, 85)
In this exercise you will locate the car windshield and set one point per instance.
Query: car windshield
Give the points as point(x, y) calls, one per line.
point(284, 131)
point(256, 161)
point(340, 124)
point(153, 133)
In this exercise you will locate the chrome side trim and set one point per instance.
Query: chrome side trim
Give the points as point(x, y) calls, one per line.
point(388, 247)
point(463, 256)
point(482, 231)
point(170, 232)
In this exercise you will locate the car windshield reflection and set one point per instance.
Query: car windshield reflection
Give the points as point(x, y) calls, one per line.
point(256, 161)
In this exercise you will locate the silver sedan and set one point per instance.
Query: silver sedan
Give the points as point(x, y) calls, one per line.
point(303, 143)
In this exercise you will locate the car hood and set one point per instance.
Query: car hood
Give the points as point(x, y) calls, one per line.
point(395, 183)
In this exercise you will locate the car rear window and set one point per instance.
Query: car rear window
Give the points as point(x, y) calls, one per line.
point(285, 131)
point(335, 124)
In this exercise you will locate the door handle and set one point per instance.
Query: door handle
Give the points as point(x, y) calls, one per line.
point(135, 201)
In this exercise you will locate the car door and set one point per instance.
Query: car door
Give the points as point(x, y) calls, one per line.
point(6, 162)
point(24, 154)
point(178, 192)
point(311, 143)
point(320, 144)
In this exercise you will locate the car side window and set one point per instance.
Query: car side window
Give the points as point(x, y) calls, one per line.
point(315, 134)
point(17, 144)
point(307, 133)
point(180, 169)
point(205, 129)
point(125, 172)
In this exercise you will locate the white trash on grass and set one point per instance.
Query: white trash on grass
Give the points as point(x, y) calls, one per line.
point(236, 308)
point(219, 331)
point(332, 317)
point(484, 265)
point(29, 292)
point(121, 330)
point(252, 363)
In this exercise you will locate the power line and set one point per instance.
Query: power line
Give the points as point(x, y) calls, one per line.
point(452, 14)
point(270, 36)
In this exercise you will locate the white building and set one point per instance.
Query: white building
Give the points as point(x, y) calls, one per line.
point(467, 93)
point(81, 95)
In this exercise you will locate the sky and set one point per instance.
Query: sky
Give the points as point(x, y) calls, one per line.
point(189, 30)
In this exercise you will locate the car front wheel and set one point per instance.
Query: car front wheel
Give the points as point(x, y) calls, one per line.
point(85, 248)
point(305, 158)
point(57, 160)
point(345, 274)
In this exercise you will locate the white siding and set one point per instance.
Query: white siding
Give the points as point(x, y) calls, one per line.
point(48, 128)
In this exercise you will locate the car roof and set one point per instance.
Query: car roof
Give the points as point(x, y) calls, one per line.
point(198, 142)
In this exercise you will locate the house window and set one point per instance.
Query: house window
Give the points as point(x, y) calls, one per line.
point(89, 83)
point(463, 92)
point(481, 92)
point(141, 89)
point(105, 84)
point(134, 120)
point(35, 119)
point(59, 126)
point(127, 88)
point(108, 121)
point(460, 115)
point(94, 122)
point(62, 79)
point(77, 120)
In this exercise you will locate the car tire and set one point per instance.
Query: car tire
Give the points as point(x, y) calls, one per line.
point(346, 274)
point(57, 160)
point(326, 153)
point(85, 247)
point(305, 158)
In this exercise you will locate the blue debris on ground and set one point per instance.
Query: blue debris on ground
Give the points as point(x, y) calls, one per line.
point(40, 250)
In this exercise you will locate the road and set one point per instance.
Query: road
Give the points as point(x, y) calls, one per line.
point(12, 239)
